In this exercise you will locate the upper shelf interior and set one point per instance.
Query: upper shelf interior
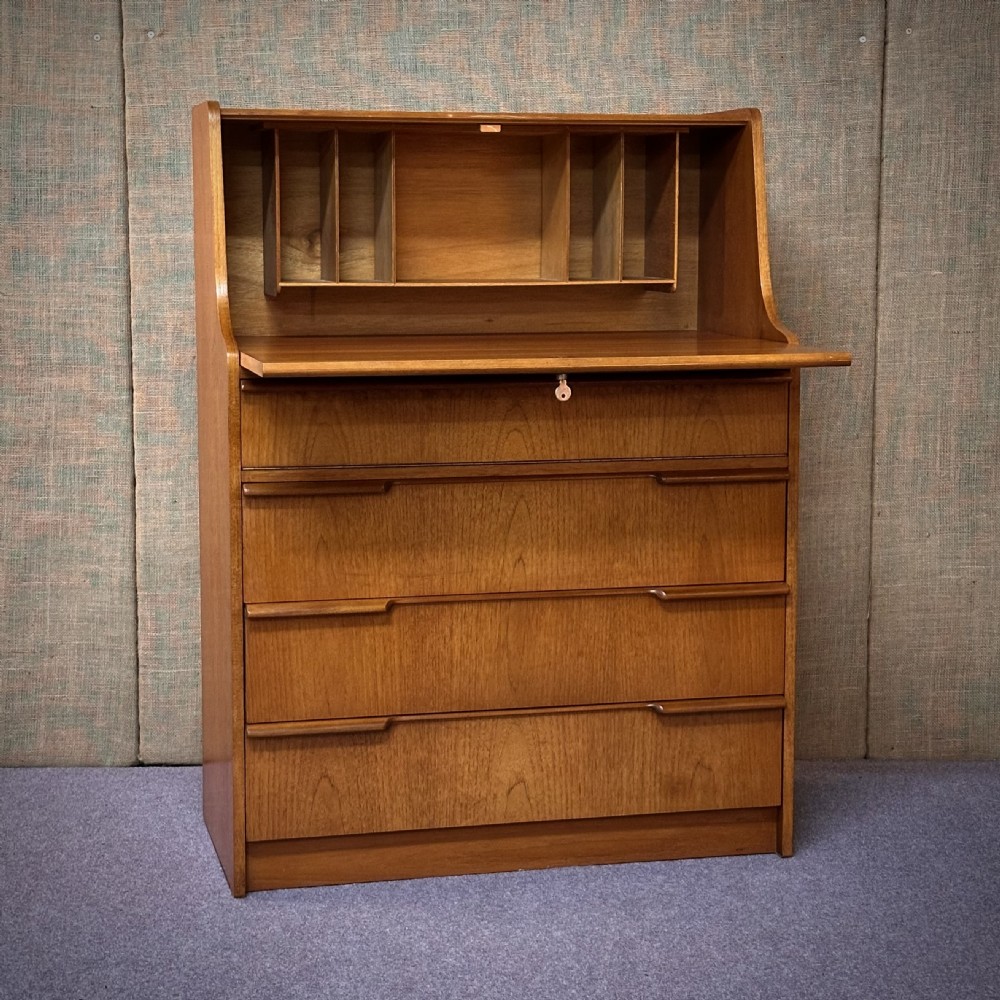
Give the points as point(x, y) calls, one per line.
point(389, 245)
point(509, 204)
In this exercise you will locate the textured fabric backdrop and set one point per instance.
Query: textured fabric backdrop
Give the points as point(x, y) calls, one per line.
point(67, 588)
point(935, 649)
point(72, 653)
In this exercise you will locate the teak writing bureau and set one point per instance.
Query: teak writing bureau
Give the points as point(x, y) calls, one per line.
point(498, 452)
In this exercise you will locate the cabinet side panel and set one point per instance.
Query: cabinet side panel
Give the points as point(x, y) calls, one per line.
point(221, 585)
point(786, 832)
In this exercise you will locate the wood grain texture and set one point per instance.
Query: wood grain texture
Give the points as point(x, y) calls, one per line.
point(469, 207)
point(493, 537)
point(466, 850)
point(501, 653)
point(508, 421)
point(301, 205)
point(512, 769)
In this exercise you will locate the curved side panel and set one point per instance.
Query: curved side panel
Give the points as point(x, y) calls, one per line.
point(218, 444)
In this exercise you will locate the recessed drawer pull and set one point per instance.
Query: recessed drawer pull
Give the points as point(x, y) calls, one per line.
point(736, 476)
point(309, 609)
point(319, 727)
point(318, 489)
point(382, 605)
point(667, 595)
point(332, 727)
point(701, 706)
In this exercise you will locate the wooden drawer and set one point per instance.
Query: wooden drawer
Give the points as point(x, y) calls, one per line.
point(432, 773)
point(496, 536)
point(480, 654)
point(511, 421)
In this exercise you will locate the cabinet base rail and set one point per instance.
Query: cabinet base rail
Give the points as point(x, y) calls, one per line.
point(277, 864)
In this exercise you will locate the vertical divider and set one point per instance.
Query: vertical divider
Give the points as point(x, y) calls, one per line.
point(676, 220)
point(329, 208)
point(271, 194)
point(385, 208)
point(581, 207)
point(608, 207)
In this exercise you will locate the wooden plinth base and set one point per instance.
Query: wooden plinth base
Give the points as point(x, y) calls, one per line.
point(281, 864)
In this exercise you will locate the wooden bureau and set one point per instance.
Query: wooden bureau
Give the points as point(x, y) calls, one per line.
point(498, 477)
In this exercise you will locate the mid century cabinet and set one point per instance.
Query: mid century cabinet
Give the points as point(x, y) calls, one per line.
point(498, 451)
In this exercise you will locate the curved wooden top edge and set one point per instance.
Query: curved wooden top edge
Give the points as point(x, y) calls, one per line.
point(763, 246)
point(736, 116)
point(206, 127)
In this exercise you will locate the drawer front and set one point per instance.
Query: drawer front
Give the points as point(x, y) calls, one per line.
point(436, 773)
point(495, 536)
point(511, 422)
point(416, 658)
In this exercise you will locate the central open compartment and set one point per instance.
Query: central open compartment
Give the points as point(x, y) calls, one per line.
point(481, 207)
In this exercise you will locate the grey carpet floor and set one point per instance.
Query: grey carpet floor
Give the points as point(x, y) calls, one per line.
point(109, 888)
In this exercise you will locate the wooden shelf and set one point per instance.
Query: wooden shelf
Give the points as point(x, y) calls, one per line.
point(451, 206)
point(520, 354)
point(470, 283)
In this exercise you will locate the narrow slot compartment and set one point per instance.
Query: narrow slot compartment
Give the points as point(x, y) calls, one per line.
point(299, 200)
point(365, 206)
point(329, 229)
point(555, 207)
point(595, 207)
point(649, 245)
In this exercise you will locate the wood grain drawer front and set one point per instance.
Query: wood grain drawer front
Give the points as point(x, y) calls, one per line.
point(511, 769)
point(511, 422)
point(475, 655)
point(517, 535)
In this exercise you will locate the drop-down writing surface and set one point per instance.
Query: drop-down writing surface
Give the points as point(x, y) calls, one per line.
point(521, 353)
